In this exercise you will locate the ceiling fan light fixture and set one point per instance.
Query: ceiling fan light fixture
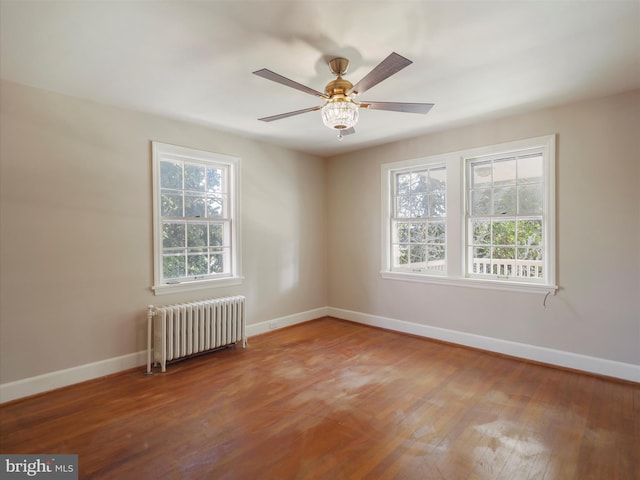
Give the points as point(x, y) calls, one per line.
point(340, 113)
point(340, 110)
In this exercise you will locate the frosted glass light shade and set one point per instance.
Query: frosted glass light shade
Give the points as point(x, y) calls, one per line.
point(340, 114)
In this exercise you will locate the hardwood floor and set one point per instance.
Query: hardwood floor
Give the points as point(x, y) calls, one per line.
point(337, 400)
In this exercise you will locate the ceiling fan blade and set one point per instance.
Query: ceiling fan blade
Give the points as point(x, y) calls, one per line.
point(398, 106)
point(390, 65)
point(269, 75)
point(288, 114)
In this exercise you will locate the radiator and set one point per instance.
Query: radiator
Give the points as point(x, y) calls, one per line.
point(187, 329)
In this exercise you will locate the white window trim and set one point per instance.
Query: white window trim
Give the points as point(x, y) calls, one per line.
point(456, 201)
point(235, 276)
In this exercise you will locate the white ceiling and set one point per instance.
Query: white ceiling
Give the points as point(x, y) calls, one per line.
point(193, 59)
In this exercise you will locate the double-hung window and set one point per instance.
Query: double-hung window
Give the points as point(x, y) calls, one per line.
point(195, 218)
point(418, 219)
point(483, 217)
point(505, 216)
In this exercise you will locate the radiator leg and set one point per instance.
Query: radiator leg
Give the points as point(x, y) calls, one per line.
point(149, 322)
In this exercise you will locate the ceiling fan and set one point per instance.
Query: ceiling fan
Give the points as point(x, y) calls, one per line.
point(340, 110)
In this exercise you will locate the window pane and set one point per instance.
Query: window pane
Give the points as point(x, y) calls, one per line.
point(481, 202)
point(530, 199)
point(503, 261)
point(194, 177)
point(216, 237)
point(437, 207)
point(504, 201)
point(403, 207)
point(401, 233)
point(418, 233)
point(504, 171)
point(214, 180)
point(403, 183)
point(194, 206)
point(173, 235)
point(436, 256)
point(173, 266)
point(197, 235)
point(530, 232)
point(171, 204)
point(530, 253)
point(171, 175)
point(400, 255)
point(481, 232)
point(481, 260)
point(436, 232)
point(480, 174)
point(216, 263)
point(531, 268)
point(215, 207)
point(530, 169)
point(418, 254)
point(437, 179)
point(419, 206)
point(504, 233)
point(198, 264)
point(419, 181)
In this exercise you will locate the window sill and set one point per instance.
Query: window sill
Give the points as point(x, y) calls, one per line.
point(196, 285)
point(471, 282)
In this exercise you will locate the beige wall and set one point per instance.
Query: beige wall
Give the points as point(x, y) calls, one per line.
point(597, 309)
point(76, 232)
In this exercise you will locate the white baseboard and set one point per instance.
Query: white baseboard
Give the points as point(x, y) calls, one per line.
point(600, 366)
point(287, 321)
point(62, 378)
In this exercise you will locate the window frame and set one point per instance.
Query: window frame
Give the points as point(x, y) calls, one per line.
point(163, 151)
point(411, 220)
point(456, 217)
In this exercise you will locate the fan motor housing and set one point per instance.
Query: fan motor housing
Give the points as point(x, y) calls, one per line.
point(339, 86)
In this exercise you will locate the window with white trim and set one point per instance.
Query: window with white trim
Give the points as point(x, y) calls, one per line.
point(482, 217)
point(195, 218)
point(418, 222)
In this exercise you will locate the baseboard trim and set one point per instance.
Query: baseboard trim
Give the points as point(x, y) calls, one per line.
point(574, 361)
point(286, 321)
point(599, 366)
point(62, 378)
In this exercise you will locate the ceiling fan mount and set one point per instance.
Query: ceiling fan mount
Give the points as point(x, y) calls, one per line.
point(339, 86)
point(338, 66)
point(340, 110)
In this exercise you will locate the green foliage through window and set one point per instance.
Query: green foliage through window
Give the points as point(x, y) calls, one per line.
point(418, 224)
point(505, 216)
point(194, 212)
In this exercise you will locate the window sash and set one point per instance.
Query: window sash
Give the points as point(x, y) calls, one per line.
point(418, 219)
point(505, 219)
point(195, 232)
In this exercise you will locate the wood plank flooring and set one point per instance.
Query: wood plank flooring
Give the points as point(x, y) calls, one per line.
point(331, 399)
